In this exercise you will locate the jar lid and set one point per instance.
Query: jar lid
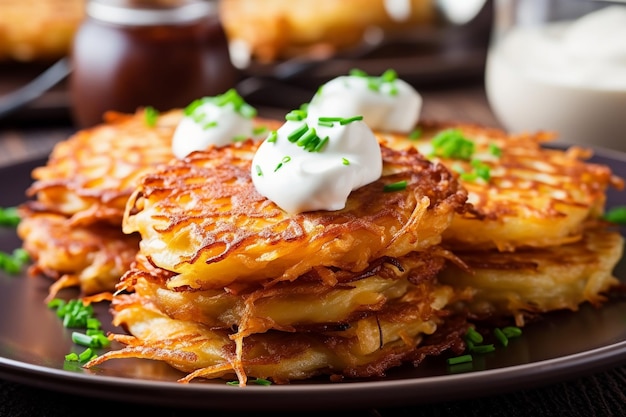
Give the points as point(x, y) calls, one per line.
point(138, 14)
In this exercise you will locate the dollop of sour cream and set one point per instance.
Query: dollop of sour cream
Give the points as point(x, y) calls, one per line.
point(217, 121)
point(386, 103)
point(313, 162)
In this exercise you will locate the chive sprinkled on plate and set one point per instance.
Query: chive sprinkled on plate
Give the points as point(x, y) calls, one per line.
point(616, 215)
point(151, 116)
point(9, 216)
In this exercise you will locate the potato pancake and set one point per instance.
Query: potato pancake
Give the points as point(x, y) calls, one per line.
point(532, 281)
point(295, 330)
point(72, 226)
point(523, 194)
point(91, 257)
point(202, 219)
point(89, 176)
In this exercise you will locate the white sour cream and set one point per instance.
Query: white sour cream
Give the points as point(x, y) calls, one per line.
point(300, 180)
point(567, 76)
point(217, 121)
point(386, 102)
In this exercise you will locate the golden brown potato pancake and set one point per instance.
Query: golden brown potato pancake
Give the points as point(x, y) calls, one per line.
point(533, 281)
point(531, 196)
point(203, 220)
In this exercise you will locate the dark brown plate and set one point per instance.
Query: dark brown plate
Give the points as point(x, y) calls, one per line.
point(33, 343)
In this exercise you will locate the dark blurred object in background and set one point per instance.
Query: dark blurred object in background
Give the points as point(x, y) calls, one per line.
point(159, 53)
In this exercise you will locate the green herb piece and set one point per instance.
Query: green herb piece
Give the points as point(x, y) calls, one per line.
point(239, 138)
point(259, 172)
point(284, 161)
point(87, 355)
point(320, 146)
point(230, 97)
point(415, 134)
point(495, 150)
point(345, 161)
point(9, 216)
point(310, 135)
point(151, 115)
point(480, 170)
point(329, 119)
point(451, 143)
point(348, 120)
point(460, 359)
point(325, 123)
point(258, 381)
point(296, 115)
point(14, 262)
point(82, 339)
point(616, 215)
point(483, 348)
point(499, 334)
point(71, 357)
point(209, 125)
point(374, 83)
point(473, 336)
point(297, 134)
point(272, 137)
point(259, 130)
point(512, 331)
point(395, 186)
point(358, 72)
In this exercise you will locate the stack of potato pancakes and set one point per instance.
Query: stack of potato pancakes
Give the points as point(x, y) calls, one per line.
point(216, 280)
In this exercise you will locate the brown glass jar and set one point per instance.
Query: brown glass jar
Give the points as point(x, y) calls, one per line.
point(135, 53)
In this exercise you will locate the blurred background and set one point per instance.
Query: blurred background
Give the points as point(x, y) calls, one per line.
point(281, 50)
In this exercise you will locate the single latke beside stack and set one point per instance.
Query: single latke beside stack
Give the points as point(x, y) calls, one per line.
point(534, 241)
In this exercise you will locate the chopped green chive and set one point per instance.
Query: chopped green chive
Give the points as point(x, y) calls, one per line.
point(9, 216)
point(345, 161)
point(473, 336)
point(86, 355)
point(258, 171)
point(374, 83)
point(616, 215)
point(482, 348)
point(230, 97)
point(258, 381)
point(350, 120)
point(296, 134)
point(512, 331)
point(499, 334)
point(151, 114)
point(415, 134)
point(273, 136)
point(284, 161)
point(495, 150)
point(460, 359)
point(296, 115)
point(239, 138)
point(452, 144)
point(325, 123)
point(73, 356)
point(320, 146)
point(259, 130)
point(395, 186)
point(14, 262)
point(209, 125)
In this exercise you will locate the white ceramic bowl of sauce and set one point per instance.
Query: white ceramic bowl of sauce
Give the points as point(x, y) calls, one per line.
point(560, 66)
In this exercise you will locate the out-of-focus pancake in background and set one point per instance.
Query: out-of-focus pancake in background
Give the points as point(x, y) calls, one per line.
point(38, 30)
point(271, 30)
